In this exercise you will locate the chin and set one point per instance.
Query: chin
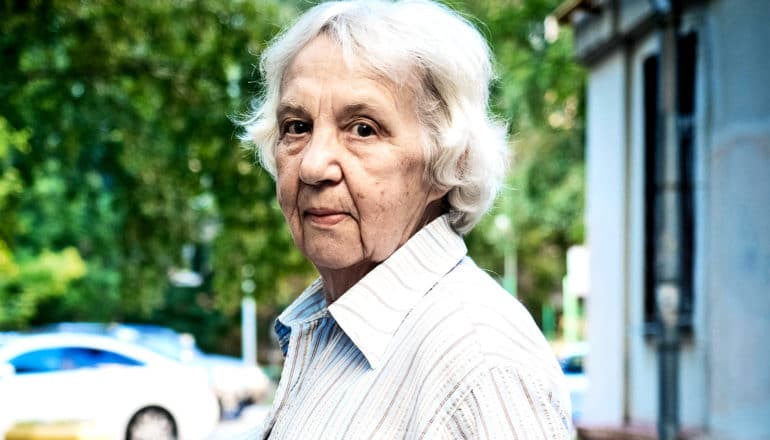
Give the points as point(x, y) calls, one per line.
point(331, 257)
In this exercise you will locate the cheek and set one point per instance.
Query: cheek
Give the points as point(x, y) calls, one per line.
point(286, 192)
point(286, 201)
point(285, 181)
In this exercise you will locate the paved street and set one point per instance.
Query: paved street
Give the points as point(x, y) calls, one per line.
point(250, 418)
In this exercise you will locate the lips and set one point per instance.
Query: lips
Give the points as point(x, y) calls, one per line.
point(324, 217)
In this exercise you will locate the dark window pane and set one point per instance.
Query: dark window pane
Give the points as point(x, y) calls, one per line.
point(653, 190)
point(38, 361)
point(650, 84)
point(84, 357)
point(573, 365)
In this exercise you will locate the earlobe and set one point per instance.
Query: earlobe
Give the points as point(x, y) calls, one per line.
point(437, 194)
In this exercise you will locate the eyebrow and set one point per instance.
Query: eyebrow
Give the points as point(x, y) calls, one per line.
point(356, 109)
point(285, 109)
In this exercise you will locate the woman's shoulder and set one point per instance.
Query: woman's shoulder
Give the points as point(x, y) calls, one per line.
point(498, 346)
point(503, 330)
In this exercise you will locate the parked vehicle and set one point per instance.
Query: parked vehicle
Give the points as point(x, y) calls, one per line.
point(571, 360)
point(235, 383)
point(124, 390)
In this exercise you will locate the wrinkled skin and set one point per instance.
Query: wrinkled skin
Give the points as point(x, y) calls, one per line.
point(350, 166)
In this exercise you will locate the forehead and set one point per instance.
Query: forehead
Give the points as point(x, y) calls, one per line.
point(322, 64)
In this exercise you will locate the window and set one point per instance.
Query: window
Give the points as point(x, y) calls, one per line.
point(38, 361)
point(67, 358)
point(653, 168)
point(84, 357)
point(572, 365)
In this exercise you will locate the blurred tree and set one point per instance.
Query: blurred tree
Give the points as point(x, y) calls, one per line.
point(27, 277)
point(129, 155)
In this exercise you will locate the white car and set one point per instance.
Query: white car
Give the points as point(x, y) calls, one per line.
point(235, 383)
point(125, 391)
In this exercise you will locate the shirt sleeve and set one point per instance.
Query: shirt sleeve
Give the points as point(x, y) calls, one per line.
point(509, 404)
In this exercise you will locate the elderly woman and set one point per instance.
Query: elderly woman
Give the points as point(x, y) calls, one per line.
point(374, 124)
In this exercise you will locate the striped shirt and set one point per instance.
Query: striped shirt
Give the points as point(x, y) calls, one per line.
point(425, 346)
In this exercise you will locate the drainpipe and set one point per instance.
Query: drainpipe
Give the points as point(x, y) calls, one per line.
point(668, 246)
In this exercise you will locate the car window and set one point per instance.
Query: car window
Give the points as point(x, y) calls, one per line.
point(85, 357)
point(68, 358)
point(38, 361)
point(573, 365)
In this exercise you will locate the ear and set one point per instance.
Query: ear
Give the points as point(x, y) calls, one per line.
point(437, 193)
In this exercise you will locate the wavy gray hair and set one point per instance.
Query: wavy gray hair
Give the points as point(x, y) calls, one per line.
point(436, 54)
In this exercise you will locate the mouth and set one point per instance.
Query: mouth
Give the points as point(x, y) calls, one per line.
point(324, 217)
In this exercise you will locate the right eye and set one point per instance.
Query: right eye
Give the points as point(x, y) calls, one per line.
point(295, 127)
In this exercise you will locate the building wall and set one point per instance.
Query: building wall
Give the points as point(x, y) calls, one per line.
point(622, 367)
point(738, 255)
point(725, 364)
point(606, 236)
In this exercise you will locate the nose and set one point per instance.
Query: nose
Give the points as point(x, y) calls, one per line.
point(320, 163)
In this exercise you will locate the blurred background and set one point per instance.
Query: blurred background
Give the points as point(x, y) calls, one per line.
point(640, 130)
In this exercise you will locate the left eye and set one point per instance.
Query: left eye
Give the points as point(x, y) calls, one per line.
point(363, 130)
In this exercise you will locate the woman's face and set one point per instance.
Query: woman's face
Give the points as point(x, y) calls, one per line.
point(349, 162)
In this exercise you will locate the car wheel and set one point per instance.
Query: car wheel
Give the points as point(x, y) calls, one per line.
point(151, 424)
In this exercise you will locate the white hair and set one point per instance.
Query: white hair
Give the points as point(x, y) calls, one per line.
point(436, 54)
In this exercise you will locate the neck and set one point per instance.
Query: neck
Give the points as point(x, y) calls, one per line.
point(337, 282)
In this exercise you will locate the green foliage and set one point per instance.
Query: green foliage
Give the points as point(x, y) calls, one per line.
point(129, 153)
point(28, 277)
point(33, 279)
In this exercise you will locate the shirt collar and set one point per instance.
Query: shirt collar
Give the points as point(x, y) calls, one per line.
point(309, 306)
point(371, 311)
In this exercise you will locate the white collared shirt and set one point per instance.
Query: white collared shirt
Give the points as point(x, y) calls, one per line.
point(426, 345)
